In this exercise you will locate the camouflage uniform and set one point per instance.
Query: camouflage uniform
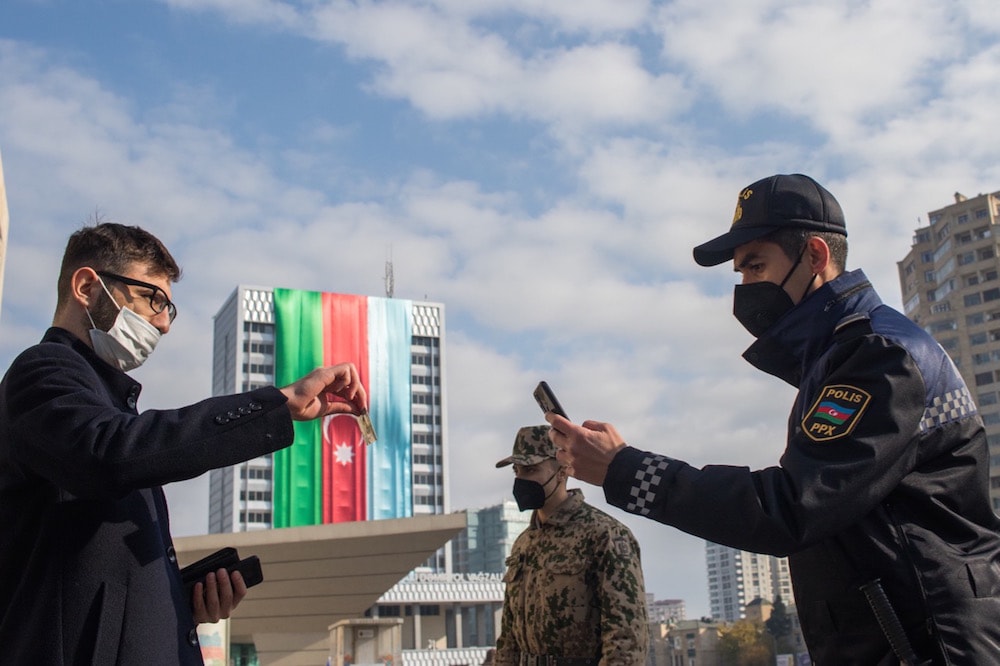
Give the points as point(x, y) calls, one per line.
point(574, 586)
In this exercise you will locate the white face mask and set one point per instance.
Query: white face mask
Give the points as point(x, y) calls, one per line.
point(130, 340)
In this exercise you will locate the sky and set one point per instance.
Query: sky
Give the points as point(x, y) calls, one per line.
point(543, 169)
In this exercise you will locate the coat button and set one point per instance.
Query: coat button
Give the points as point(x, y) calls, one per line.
point(256, 406)
point(244, 410)
point(221, 419)
point(193, 638)
point(130, 402)
point(172, 555)
point(233, 414)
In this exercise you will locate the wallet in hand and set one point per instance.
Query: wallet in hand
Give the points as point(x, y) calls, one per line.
point(224, 558)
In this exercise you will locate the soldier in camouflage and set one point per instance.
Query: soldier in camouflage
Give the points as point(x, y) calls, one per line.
point(574, 589)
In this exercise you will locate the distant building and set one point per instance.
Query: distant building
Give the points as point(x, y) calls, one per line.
point(445, 612)
point(402, 342)
point(737, 577)
point(486, 543)
point(688, 643)
point(950, 281)
point(665, 611)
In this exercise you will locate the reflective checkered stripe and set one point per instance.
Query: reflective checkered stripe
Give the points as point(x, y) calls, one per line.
point(647, 480)
point(953, 405)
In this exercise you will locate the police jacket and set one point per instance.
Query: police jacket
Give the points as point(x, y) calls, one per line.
point(574, 592)
point(884, 476)
point(88, 573)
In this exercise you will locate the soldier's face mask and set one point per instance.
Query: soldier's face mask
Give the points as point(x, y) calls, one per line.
point(531, 494)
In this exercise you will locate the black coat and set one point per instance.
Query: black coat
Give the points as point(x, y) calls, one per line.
point(88, 573)
point(884, 476)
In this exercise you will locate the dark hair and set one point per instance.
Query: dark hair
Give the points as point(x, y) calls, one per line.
point(113, 247)
point(792, 241)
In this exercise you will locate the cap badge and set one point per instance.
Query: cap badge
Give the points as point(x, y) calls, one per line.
point(744, 195)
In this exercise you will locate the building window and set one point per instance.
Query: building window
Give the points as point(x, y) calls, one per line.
point(255, 516)
point(963, 218)
point(973, 299)
point(984, 378)
point(944, 325)
point(982, 213)
point(255, 473)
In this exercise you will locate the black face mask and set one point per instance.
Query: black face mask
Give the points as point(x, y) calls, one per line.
point(531, 494)
point(760, 305)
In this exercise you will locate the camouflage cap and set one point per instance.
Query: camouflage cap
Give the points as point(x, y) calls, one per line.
point(531, 446)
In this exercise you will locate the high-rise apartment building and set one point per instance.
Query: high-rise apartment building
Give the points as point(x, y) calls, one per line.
point(950, 281)
point(246, 341)
point(737, 577)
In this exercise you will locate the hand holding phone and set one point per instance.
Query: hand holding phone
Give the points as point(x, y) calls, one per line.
point(547, 400)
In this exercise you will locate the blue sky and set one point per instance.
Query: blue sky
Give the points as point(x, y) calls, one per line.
point(542, 169)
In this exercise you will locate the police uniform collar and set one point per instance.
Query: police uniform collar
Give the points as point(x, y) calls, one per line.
point(805, 332)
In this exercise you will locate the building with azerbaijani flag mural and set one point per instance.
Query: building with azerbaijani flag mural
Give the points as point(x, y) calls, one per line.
point(265, 336)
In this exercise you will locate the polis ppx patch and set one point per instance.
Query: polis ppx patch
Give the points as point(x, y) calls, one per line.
point(835, 413)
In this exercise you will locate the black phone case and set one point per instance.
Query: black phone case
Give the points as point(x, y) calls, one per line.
point(546, 399)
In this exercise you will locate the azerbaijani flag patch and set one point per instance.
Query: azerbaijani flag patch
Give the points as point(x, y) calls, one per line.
point(835, 413)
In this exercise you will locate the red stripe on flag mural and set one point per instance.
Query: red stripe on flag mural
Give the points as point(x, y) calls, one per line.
point(345, 338)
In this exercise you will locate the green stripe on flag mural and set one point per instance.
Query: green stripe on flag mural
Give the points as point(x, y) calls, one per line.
point(298, 349)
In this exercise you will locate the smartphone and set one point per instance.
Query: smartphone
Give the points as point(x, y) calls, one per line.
point(547, 400)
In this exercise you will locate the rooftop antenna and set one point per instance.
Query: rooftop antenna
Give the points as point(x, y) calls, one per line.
point(390, 279)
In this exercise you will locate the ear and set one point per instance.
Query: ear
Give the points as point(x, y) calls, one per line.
point(818, 255)
point(85, 286)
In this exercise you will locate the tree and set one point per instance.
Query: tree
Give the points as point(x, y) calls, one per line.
point(744, 643)
point(779, 625)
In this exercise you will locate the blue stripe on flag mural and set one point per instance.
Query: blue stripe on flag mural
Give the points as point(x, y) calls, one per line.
point(390, 333)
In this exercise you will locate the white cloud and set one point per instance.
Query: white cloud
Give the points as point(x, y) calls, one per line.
point(832, 65)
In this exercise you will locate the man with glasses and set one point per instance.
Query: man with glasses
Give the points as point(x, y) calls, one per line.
point(88, 573)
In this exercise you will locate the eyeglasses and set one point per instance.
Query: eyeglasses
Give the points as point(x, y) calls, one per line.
point(158, 300)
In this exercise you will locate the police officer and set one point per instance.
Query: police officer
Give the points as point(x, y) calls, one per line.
point(574, 589)
point(880, 500)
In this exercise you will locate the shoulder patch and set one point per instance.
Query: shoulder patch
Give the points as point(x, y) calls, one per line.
point(621, 546)
point(835, 413)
